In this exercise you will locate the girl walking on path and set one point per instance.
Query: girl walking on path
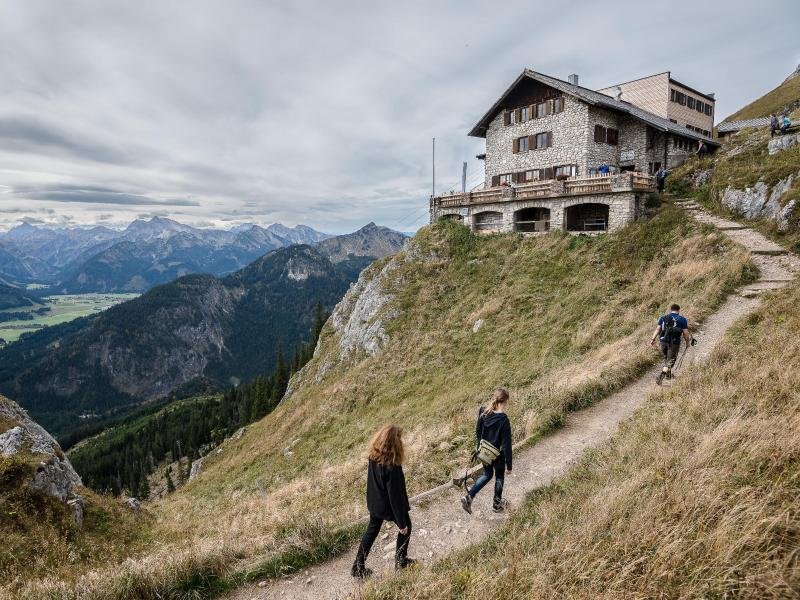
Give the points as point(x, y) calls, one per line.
point(387, 499)
point(494, 427)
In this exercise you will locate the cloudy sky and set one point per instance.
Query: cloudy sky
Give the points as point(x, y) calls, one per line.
point(318, 112)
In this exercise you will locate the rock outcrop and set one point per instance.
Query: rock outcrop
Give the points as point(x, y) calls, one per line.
point(761, 202)
point(20, 435)
point(783, 142)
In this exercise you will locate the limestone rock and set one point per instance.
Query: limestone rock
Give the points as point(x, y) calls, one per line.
point(197, 465)
point(360, 318)
point(783, 142)
point(477, 325)
point(134, 505)
point(77, 506)
point(761, 202)
point(701, 177)
point(54, 474)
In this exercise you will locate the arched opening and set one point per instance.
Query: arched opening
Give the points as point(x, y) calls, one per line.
point(452, 217)
point(587, 217)
point(536, 218)
point(488, 221)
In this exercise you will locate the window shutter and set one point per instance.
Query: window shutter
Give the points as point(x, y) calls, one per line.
point(532, 142)
point(518, 115)
point(549, 173)
point(549, 138)
point(516, 145)
point(495, 180)
point(532, 111)
point(548, 107)
point(598, 133)
point(507, 118)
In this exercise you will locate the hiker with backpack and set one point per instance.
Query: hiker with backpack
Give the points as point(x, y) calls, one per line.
point(387, 499)
point(670, 329)
point(493, 432)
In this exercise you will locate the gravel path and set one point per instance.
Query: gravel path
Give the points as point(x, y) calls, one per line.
point(440, 525)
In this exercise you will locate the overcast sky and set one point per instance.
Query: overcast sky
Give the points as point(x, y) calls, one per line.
point(318, 112)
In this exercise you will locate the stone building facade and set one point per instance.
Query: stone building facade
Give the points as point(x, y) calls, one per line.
point(546, 140)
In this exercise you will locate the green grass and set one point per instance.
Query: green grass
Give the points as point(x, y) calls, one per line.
point(775, 101)
point(62, 309)
point(695, 497)
point(564, 322)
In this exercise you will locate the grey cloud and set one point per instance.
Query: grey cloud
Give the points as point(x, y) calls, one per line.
point(74, 194)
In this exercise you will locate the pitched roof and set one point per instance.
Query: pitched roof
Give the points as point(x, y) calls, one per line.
point(592, 98)
point(738, 125)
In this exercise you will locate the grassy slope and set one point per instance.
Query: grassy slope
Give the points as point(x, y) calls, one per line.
point(564, 322)
point(785, 95)
point(743, 161)
point(39, 536)
point(696, 497)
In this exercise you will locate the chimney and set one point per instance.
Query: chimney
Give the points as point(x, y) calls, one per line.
point(573, 79)
point(617, 93)
point(711, 95)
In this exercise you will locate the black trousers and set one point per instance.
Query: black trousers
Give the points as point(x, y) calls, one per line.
point(371, 534)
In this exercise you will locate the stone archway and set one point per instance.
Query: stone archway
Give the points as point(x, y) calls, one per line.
point(589, 216)
point(488, 221)
point(534, 218)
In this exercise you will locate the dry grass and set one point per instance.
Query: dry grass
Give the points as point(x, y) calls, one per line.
point(696, 497)
point(564, 322)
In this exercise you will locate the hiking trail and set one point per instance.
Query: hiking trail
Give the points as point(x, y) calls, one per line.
point(440, 526)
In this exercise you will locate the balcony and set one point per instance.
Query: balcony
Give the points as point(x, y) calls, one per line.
point(550, 188)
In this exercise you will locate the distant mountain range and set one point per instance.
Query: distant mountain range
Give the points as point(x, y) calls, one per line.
point(196, 332)
point(144, 254)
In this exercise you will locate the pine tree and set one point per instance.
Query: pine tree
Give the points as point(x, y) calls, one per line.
point(170, 485)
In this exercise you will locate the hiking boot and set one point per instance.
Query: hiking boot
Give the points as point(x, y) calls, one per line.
point(409, 562)
point(499, 506)
point(466, 503)
point(360, 571)
point(660, 377)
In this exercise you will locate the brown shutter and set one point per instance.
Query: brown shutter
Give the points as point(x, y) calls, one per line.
point(518, 115)
point(495, 180)
point(532, 142)
point(549, 173)
point(549, 138)
point(516, 145)
point(599, 133)
point(532, 111)
point(507, 118)
point(548, 107)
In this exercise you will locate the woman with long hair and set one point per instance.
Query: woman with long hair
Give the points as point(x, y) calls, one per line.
point(494, 427)
point(387, 499)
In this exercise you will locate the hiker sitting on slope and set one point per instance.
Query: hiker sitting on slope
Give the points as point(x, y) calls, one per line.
point(671, 328)
point(387, 499)
point(493, 432)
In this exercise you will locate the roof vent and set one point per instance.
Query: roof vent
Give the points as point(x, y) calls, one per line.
point(618, 93)
point(573, 79)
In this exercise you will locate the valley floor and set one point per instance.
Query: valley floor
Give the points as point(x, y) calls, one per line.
point(440, 526)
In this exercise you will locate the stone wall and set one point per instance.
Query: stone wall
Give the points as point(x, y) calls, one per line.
point(569, 131)
point(623, 208)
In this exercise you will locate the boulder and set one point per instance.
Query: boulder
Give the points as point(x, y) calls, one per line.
point(761, 202)
point(134, 505)
point(19, 434)
point(783, 142)
point(197, 465)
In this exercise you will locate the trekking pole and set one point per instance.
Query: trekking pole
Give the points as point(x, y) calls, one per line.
point(685, 350)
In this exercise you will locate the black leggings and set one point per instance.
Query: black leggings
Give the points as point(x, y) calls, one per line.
point(371, 534)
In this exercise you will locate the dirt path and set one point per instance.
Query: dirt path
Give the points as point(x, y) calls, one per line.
point(439, 524)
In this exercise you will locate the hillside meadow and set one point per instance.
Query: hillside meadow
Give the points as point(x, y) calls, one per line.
point(565, 321)
point(696, 497)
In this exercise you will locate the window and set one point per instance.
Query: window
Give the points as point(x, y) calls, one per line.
point(674, 121)
point(672, 95)
point(599, 133)
point(541, 109)
point(690, 102)
point(678, 97)
point(707, 109)
point(510, 117)
point(606, 135)
point(566, 171)
point(653, 167)
point(558, 104)
point(543, 140)
point(531, 175)
point(504, 179)
point(699, 106)
point(650, 136)
point(523, 144)
point(524, 114)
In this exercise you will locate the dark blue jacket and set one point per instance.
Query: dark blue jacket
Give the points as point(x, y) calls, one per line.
point(495, 428)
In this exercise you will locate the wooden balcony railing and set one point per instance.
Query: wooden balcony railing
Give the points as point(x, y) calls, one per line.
point(551, 188)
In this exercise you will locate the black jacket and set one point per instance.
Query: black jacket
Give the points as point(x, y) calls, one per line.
point(386, 493)
point(495, 428)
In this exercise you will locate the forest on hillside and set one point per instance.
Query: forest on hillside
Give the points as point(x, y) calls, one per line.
point(122, 459)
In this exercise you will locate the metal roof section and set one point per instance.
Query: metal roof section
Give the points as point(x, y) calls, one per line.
point(739, 125)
